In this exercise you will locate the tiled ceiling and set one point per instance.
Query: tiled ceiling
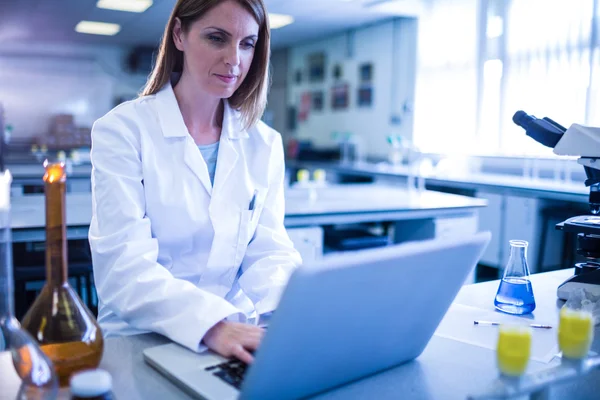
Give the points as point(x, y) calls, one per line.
point(25, 21)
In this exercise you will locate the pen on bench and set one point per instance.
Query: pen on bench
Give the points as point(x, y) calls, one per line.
point(490, 323)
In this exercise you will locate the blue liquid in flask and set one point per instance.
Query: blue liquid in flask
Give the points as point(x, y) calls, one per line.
point(515, 293)
point(515, 296)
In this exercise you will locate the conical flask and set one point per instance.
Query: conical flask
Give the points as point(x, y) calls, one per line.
point(66, 330)
point(515, 293)
point(38, 378)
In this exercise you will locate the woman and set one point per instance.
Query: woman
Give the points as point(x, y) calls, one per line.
point(187, 232)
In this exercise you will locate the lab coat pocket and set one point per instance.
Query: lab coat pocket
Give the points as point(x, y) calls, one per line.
point(247, 227)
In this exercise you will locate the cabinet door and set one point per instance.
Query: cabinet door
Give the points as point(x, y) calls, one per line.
point(308, 242)
point(490, 219)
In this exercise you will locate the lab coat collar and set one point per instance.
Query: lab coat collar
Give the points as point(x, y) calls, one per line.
point(232, 123)
point(172, 124)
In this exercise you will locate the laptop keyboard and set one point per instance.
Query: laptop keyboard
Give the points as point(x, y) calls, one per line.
point(231, 371)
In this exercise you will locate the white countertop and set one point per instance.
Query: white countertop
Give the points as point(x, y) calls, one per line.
point(547, 188)
point(28, 211)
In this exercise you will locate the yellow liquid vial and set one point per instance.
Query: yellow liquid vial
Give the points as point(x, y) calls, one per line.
point(575, 333)
point(303, 175)
point(513, 349)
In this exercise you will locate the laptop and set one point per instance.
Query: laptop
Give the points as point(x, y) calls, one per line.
point(343, 318)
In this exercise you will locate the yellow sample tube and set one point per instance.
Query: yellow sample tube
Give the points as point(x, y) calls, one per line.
point(575, 333)
point(303, 175)
point(513, 349)
point(319, 175)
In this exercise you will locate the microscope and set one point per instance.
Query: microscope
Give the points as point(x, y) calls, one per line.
point(583, 142)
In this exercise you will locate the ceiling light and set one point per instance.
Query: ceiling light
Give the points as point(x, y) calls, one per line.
point(279, 20)
point(98, 28)
point(137, 6)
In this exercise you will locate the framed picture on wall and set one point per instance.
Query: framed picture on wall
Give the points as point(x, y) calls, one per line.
point(316, 67)
point(340, 96)
point(365, 72)
point(365, 96)
point(317, 100)
point(305, 105)
point(337, 71)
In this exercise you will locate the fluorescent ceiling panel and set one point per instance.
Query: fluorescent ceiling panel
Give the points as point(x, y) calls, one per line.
point(277, 21)
point(137, 6)
point(98, 28)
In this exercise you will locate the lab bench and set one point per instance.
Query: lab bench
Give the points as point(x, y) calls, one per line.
point(27, 178)
point(518, 207)
point(447, 369)
point(309, 216)
point(426, 212)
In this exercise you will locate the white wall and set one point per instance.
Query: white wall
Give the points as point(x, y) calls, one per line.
point(40, 80)
point(391, 48)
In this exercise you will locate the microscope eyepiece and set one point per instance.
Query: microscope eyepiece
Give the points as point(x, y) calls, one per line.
point(544, 131)
point(523, 119)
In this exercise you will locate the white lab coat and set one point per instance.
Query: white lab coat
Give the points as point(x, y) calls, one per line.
point(171, 253)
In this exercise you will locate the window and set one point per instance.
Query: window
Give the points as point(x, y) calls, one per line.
point(446, 91)
point(531, 55)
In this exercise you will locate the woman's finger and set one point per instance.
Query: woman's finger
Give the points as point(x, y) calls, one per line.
point(255, 333)
point(241, 354)
point(250, 342)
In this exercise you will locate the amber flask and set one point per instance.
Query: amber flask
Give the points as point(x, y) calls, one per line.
point(58, 319)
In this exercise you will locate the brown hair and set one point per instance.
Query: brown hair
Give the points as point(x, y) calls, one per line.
point(251, 97)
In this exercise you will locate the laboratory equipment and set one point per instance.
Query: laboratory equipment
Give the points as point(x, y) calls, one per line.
point(93, 384)
point(320, 177)
point(515, 293)
point(36, 371)
point(513, 349)
point(348, 148)
point(494, 323)
point(66, 330)
point(575, 332)
point(302, 176)
point(583, 142)
point(395, 153)
point(575, 335)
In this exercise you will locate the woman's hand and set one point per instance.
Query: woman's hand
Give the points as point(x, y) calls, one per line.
point(233, 339)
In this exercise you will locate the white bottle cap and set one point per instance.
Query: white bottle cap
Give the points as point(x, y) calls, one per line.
point(91, 383)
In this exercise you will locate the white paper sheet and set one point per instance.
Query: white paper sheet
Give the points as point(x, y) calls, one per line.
point(458, 325)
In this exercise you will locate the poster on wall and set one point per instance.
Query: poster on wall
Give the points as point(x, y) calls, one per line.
point(305, 104)
point(364, 97)
point(339, 96)
point(317, 100)
point(364, 93)
point(365, 73)
point(316, 67)
point(338, 72)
